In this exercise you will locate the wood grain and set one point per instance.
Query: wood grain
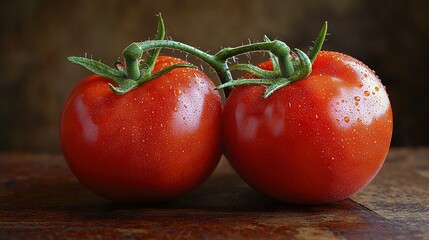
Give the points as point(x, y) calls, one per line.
point(41, 199)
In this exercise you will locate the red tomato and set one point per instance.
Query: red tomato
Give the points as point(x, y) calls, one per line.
point(319, 140)
point(153, 143)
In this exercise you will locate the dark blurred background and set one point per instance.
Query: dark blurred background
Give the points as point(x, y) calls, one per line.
point(37, 36)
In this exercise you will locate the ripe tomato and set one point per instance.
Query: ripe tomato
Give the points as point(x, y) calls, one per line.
point(153, 143)
point(318, 140)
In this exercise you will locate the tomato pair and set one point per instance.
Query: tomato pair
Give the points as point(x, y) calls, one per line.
point(317, 140)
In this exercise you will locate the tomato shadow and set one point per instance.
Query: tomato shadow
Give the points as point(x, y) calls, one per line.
point(227, 194)
point(223, 195)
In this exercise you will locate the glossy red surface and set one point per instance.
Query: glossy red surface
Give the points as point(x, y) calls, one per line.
point(318, 140)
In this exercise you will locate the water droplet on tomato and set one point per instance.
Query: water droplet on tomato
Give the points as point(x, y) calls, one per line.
point(346, 119)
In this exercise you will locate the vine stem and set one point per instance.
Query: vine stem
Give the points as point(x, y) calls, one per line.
point(134, 52)
point(286, 68)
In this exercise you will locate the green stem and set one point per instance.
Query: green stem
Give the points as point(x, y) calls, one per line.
point(137, 49)
point(287, 68)
point(133, 53)
point(282, 52)
point(132, 57)
point(147, 45)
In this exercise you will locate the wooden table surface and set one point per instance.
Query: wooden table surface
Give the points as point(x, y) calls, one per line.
point(41, 199)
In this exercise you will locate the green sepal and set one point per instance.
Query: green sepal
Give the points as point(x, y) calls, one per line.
point(278, 83)
point(245, 81)
point(318, 43)
point(149, 63)
point(98, 68)
point(304, 65)
point(124, 86)
point(163, 72)
point(254, 70)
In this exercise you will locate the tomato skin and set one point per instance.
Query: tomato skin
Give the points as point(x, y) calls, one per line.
point(153, 143)
point(319, 140)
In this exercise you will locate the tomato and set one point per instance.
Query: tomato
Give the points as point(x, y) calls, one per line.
point(318, 140)
point(153, 143)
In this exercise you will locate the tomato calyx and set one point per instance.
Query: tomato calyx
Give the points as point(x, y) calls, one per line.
point(300, 66)
point(272, 79)
point(136, 73)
